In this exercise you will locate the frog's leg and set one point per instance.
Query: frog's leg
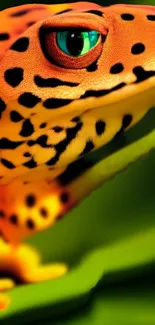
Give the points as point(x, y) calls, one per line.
point(24, 210)
point(30, 268)
point(5, 283)
point(24, 263)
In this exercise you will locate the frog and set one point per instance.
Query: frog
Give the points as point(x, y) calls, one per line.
point(72, 77)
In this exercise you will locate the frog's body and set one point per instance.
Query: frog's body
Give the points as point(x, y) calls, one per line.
point(56, 107)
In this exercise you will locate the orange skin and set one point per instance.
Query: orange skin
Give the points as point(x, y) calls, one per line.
point(65, 121)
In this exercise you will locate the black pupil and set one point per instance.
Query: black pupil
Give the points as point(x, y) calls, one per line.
point(74, 43)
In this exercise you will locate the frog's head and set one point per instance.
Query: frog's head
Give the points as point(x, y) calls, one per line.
point(72, 81)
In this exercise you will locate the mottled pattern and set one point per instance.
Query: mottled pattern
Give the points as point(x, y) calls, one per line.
point(55, 108)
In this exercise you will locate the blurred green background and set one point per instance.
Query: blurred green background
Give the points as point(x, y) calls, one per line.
point(120, 209)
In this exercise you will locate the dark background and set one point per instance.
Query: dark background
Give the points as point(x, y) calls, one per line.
point(10, 3)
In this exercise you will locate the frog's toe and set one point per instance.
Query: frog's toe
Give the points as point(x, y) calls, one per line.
point(45, 272)
point(26, 265)
point(6, 284)
point(4, 302)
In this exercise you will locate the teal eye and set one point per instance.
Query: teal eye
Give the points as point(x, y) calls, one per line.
point(77, 43)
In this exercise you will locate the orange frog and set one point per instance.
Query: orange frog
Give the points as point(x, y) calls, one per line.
point(72, 76)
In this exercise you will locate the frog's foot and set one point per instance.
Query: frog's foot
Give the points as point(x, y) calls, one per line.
point(24, 263)
point(5, 284)
point(44, 272)
point(4, 302)
point(31, 270)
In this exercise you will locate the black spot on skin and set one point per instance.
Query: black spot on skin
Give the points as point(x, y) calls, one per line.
point(127, 16)
point(138, 48)
point(30, 200)
point(89, 146)
point(103, 38)
point(30, 224)
point(127, 119)
point(99, 93)
point(2, 214)
point(4, 36)
point(31, 23)
point(27, 128)
point(43, 212)
point(74, 170)
point(2, 106)
point(14, 76)
point(71, 134)
point(92, 67)
point(8, 144)
point(151, 17)
point(43, 125)
point(42, 141)
point(31, 143)
point(100, 127)
point(95, 12)
point(28, 100)
point(142, 74)
point(15, 116)
point(21, 45)
point(30, 164)
point(63, 12)
point(57, 129)
point(13, 219)
point(8, 164)
point(117, 68)
point(52, 82)
point(27, 154)
point(19, 13)
point(52, 103)
point(23, 12)
point(64, 197)
point(76, 119)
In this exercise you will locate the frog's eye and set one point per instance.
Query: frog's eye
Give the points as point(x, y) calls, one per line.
point(73, 48)
point(77, 43)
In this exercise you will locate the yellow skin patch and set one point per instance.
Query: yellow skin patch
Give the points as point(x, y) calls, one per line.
point(57, 105)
